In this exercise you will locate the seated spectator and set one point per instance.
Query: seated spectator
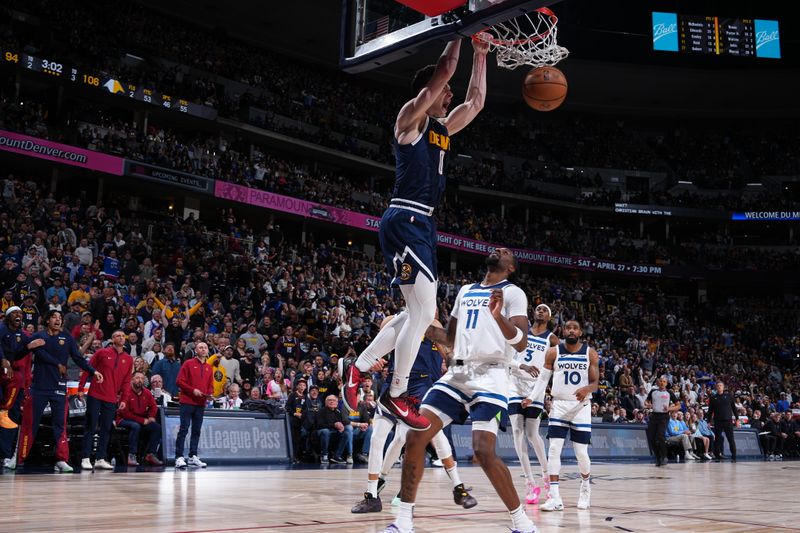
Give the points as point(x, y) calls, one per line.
point(701, 442)
point(678, 433)
point(329, 422)
point(139, 417)
point(161, 395)
point(232, 399)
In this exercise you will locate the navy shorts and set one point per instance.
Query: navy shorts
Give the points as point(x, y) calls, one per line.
point(515, 408)
point(408, 242)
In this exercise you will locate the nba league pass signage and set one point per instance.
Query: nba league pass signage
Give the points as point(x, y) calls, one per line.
point(297, 206)
point(232, 437)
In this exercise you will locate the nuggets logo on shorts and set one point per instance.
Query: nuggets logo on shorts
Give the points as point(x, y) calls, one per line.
point(405, 271)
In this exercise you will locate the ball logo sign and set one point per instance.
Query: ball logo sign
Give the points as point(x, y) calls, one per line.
point(768, 41)
point(665, 32)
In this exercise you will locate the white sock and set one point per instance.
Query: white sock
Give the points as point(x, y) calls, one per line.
point(372, 487)
point(521, 520)
point(405, 516)
point(382, 344)
point(454, 477)
point(554, 493)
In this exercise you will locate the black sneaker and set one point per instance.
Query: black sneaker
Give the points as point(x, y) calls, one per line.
point(337, 460)
point(369, 504)
point(361, 458)
point(381, 485)
point(463, 498)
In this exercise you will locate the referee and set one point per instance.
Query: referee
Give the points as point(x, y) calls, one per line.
point(721, 410)
point(663, 402)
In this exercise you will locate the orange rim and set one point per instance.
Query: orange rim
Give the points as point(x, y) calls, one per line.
point(532, 39)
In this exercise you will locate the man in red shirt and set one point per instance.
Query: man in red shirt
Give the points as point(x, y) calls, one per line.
point(116, 367)
point(196, 386)
point(139, 415)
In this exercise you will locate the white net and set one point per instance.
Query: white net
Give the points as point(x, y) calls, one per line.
point(529, 39)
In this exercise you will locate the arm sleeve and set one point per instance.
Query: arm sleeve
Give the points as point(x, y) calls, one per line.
point(78, 357)
point(85, 375)
point(183, 381)
point(457, 303)
point(541, 383)
point(516, 302)
point(126, 382)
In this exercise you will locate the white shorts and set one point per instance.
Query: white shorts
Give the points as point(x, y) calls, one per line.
point(571, 416)
point(477, 391)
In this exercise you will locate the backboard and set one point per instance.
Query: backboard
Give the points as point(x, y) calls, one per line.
point(378, 32)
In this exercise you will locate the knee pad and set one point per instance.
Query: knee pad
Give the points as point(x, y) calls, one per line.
point(582, 455)
point(441, 445)
point(554, 456)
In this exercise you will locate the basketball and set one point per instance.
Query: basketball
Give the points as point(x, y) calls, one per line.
point(545, 88)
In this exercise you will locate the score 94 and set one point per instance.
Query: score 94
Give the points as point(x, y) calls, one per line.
point(11, 57)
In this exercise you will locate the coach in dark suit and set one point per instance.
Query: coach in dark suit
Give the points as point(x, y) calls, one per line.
point(720, 411)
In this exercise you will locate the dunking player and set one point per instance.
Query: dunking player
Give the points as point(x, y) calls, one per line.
point(574, 368)
point(426, 370)
point(408, 231)
point(524, 411)
point(486, 328)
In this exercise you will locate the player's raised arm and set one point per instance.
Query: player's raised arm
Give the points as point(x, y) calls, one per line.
point(409, 119)
point(465, 113)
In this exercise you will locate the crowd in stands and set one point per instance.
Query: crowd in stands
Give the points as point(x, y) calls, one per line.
point(342, 110)
point(277, 316)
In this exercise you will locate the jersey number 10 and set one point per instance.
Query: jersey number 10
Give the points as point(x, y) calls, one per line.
point(572, 378)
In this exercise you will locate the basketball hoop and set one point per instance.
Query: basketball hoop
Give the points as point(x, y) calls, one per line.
point(529, 39)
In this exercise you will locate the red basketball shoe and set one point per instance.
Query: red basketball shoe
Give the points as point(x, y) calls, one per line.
point(406, 409)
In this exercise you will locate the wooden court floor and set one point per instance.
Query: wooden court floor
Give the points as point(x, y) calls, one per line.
point(746, 496)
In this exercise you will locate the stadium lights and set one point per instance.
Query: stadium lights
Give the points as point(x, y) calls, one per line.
point(682, 182)
point(755, 184)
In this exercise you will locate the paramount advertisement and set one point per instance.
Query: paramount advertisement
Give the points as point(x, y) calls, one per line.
point(60, 153)
point(232, 437)
point(335, 215)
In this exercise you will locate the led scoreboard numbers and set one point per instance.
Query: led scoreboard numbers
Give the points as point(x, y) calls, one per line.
point(100, 81)
point(692, 34)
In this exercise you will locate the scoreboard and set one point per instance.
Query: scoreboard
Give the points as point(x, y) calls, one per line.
point(710, 35)
point(150, 95)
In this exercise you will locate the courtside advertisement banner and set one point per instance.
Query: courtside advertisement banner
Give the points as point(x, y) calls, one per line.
point(296, 206)
point(609, 441)
point(232, 438)
point(60, 153)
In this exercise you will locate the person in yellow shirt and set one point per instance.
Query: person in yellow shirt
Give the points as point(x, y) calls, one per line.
point(80, 295)
point(220, 377)
point(7, 301)
point(180, 310)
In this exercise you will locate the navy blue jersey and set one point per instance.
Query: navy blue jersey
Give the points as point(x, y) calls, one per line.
point(421, 166)
point(56, 351)
point(12, 343)
point(427, 365)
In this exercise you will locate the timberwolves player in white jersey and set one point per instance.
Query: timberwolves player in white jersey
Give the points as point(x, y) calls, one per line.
point(408, 230)
point(525, 412)
point(576, 375)
point(486, 328)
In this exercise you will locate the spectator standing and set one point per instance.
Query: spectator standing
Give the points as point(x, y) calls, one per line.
point(195, 381)
point(101, 405)
point(138, 415)
point(168, 369)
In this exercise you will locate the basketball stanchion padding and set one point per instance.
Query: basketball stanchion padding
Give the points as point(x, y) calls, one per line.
point(433, 8)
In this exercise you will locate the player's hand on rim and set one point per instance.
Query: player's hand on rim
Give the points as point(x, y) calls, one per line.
point(480, 42)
